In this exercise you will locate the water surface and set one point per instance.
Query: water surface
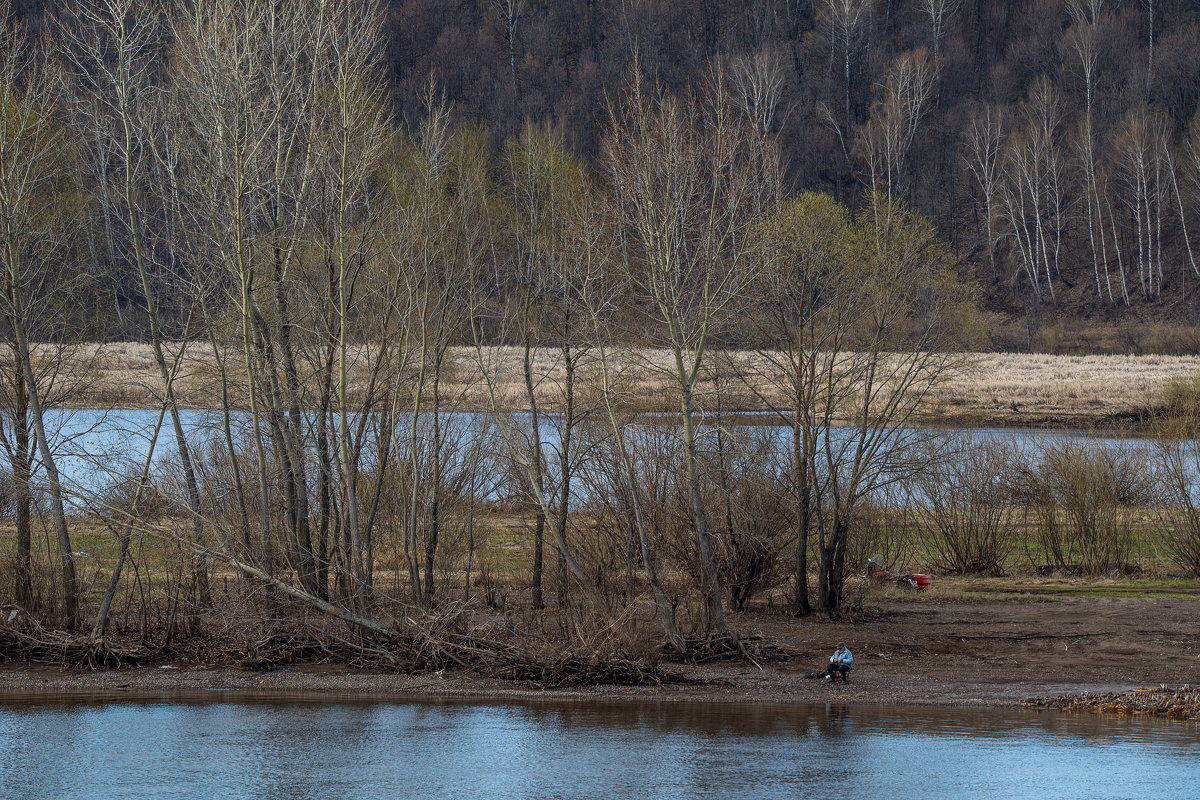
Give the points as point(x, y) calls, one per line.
point(564, 751)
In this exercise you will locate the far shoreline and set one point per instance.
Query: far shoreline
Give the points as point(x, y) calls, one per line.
point(1005, 390)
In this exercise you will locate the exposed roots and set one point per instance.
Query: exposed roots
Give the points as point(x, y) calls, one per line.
point(41, 645)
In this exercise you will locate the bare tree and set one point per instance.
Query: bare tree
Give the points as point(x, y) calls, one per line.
point(984, 137)
point(1186, 182)
point(1083, 48)
point(679, 171)
point(1089, 11)
point(114, 47)
point(1151, 6)
point(350, 138)
point(888, 136)
point(1033, 190)
point(512, 11)
point(1141, 145)
point(759, 85)
point(846, 21)
point(38, 199)
point(940, 13)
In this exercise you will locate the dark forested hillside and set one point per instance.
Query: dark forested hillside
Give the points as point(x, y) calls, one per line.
point(1052, 142)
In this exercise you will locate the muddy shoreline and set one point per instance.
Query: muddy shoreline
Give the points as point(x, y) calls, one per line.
point(991, 653)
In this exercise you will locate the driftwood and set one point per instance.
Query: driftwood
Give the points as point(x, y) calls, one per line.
point(444, 641)
point(1181, 703)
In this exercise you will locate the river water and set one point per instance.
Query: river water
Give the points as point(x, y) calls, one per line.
point(96, 448)
point(201, 748)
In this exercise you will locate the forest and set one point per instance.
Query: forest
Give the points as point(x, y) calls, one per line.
point(1051, 142)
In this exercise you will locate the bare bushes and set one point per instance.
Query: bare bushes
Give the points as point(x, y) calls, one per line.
point(962, 505)
point(1178, 460)
point(745, 501)
point(1083, 500)
point(880, 528)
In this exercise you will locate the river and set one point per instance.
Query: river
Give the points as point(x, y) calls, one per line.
point(245, 748)
point(97, 448)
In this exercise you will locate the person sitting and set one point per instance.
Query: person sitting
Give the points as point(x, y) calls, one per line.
point(840, 664)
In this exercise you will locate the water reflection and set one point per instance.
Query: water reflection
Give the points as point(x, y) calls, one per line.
point(565, 751)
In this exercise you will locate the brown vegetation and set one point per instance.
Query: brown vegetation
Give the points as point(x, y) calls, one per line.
point(981, 389)
point(1181, 703)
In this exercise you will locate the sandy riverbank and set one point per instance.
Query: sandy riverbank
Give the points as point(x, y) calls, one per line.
point(927, 652)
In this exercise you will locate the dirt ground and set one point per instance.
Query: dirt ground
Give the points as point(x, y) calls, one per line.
point(988, 653)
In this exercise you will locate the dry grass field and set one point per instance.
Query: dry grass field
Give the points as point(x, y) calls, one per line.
point(1026, 388)
point(984, 389)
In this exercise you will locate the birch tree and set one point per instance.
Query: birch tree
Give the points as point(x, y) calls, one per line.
point(984, 136)
point(939, 12)
point(846, 22)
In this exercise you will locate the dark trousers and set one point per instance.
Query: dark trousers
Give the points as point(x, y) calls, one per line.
point(838, 670)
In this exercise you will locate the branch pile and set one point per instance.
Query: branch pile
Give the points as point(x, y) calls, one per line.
point(446, 640)
point(754, 649)
point(576, 670)
point(1181, 703)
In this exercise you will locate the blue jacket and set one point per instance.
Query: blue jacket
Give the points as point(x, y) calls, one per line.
point(843, 656)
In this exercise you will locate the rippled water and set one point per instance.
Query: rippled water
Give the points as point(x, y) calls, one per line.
point(553, 751)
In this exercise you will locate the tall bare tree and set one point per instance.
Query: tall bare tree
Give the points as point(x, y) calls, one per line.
point(888, 136)
point(984, 137)
point(846, 21)
point(115, 48)
point(39, 197)
point(940, 12)
point(680, 170)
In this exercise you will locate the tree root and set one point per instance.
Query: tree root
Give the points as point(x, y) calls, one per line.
point(40, 645)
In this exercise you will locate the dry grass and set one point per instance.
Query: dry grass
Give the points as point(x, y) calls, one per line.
point(1033, 388)
point(1004, 389)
